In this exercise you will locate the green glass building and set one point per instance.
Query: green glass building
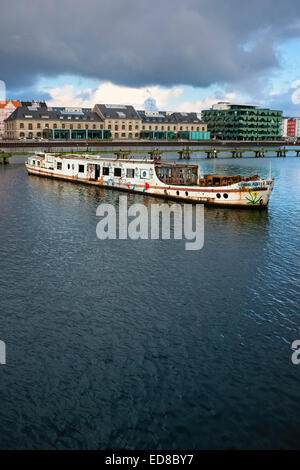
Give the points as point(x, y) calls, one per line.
point(243, 122)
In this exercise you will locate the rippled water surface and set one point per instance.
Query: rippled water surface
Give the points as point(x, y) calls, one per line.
point(141, 344)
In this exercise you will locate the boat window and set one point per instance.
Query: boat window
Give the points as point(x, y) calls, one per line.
point(58, 165)
point(225, 195)
point(130, 173)
point(218, 195)
point(105, 171)
point(80, 168)
point(117, 172)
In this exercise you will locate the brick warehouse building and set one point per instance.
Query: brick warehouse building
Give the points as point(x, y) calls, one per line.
point(7, 107)
point(104, 121)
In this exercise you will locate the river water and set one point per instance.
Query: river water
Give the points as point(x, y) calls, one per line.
point(141, 344)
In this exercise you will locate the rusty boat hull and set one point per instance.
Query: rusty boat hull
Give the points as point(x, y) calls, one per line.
point(181, 182)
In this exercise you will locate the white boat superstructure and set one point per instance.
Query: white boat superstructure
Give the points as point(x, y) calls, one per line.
point(155, 178)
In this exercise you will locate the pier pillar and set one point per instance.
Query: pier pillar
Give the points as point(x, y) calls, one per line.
point(122, 155)
point(211, 153)
point(156, 154)
point(237, 154)
point(184, 154)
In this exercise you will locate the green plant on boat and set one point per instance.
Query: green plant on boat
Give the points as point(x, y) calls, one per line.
point(253, 198)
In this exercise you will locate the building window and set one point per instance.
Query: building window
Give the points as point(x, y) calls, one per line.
point(105, 171)
point(123, 127)
point(203, 128)
point(71, 126)
point(130, 128)
point(38, 125)
point(101, 126)
point(143, 127)
point(109, 126)
point(86, 126)
point(22, 134)
point(22, 125)
point(116, 135)
point(54, 126)
point(117, 172)
point(58, 165)
point(80, 168)
point(116, 127)
point(136, 134)
point(123, 134)
point(94, 126)
point(63, 126)
point(79, 126)
point(130, 173)
point(162, 128)
point(30, 126)
point(136, 126)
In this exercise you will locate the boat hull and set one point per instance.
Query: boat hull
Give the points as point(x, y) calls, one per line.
point(236, 197)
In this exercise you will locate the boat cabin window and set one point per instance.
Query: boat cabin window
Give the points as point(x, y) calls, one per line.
point(58, 165)
point(216, 181)
point(117, 172)
point(80, 168)
point(105, 171)
point(176, 174)
point(130, 172)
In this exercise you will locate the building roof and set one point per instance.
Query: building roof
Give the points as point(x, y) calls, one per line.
point(169, 117)
point(39, 113)
point(116, 111)
point(6, 102)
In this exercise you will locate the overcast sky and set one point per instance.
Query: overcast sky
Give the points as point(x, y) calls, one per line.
point(185, 54)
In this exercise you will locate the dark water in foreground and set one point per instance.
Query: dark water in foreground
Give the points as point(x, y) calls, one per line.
point(141, 344)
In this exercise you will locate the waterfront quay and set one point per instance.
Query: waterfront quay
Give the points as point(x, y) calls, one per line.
point(155, 149)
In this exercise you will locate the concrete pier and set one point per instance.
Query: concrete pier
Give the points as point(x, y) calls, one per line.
point(184, 154)
point(211, 153)
point(259, 153)
point(4, 158)
point(237, 154)
point(281, 153)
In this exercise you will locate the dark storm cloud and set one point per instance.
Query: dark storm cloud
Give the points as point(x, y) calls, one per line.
point(139, 42)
